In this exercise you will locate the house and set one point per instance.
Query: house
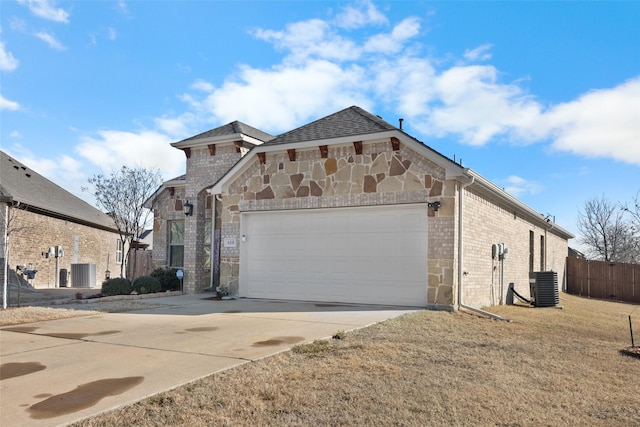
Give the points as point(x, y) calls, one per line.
point(53, 232)
point(348, 208)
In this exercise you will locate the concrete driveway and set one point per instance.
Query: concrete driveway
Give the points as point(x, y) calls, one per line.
point(61, 371)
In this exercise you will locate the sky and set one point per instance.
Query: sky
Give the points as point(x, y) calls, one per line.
point(540, 97)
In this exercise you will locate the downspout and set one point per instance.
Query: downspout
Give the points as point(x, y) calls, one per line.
point(461, 252)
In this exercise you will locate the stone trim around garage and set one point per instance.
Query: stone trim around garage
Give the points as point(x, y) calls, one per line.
point(379, 176)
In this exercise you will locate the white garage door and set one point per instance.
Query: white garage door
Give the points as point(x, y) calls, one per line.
point(360, 255)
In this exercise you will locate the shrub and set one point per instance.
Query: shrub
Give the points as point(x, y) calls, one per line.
point(146, 285)
point(167, 278)
point(117, 286)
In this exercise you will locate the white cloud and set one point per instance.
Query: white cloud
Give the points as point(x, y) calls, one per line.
point(480, 53)
point(47, 10)
point(517, 186)
point(394, 42)
point(601, 123)
point(470, 101)
point(177, 127)
point(50, 40)
point(123, 7)
point(111, 149)
point(6, 104)
point(17, 24)
point(359, 15)
point(202, 85)
point(310, 39)
point(111, 33)
point(7, 61)
point(293, 94)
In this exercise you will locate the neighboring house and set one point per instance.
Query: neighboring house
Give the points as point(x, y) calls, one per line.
point(348, 208)
point(39, 215)
point(574, 253)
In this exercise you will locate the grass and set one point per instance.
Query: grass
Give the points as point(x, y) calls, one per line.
point(547, 367)
point(30, 314)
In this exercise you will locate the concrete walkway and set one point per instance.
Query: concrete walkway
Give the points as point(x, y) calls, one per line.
point(61, 371)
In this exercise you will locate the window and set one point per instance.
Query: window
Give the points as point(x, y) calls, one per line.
point(542, 260)
point(531, 250)
point(176, 244)
point(118, 251)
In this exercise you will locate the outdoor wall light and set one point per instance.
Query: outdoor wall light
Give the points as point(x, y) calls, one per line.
point(188, 208)
point(434, 205)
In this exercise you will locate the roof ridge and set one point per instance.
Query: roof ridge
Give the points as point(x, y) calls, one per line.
point(350, 121)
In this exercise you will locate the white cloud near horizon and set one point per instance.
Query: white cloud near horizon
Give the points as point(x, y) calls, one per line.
point(6, 104)
point(50, 40)
point(46, 9)
point(600, 123)
point(111, 149)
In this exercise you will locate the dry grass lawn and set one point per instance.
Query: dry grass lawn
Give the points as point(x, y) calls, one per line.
point(547, 367)
point(29, 314)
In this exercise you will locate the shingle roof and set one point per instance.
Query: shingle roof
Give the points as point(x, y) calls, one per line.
point(350, 121)
point(233, 128)
point(23, 185)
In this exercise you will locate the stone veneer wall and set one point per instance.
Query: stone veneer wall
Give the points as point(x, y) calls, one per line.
point(34, 233)
point(489, 222)
point(202, 171)
point(378, 176)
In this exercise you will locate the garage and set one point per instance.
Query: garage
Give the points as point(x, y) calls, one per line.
point(371, 255)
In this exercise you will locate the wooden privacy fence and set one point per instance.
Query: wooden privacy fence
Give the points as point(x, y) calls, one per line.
point(605, 280)
point(142, 262)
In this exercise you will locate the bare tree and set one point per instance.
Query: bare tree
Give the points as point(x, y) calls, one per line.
point(604, 230)
point(122, 195)
point(633, 212)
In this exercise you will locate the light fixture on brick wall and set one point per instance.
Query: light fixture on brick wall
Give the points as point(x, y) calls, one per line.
point(434, 205)
point(188, 208)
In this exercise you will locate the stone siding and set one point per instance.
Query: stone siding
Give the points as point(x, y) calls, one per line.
point(378, 176)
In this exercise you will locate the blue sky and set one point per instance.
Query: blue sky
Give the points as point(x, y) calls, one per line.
point(542, 98)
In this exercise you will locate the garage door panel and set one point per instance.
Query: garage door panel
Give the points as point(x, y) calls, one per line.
point(364, 255)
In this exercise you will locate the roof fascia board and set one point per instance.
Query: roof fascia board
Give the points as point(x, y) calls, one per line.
point(490, 188)
point(57, 215)
point(215, 140)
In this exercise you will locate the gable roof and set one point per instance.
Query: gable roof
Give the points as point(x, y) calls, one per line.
point(348, 122)
point(20, 184)
point(354, 122)
point(233, 128)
